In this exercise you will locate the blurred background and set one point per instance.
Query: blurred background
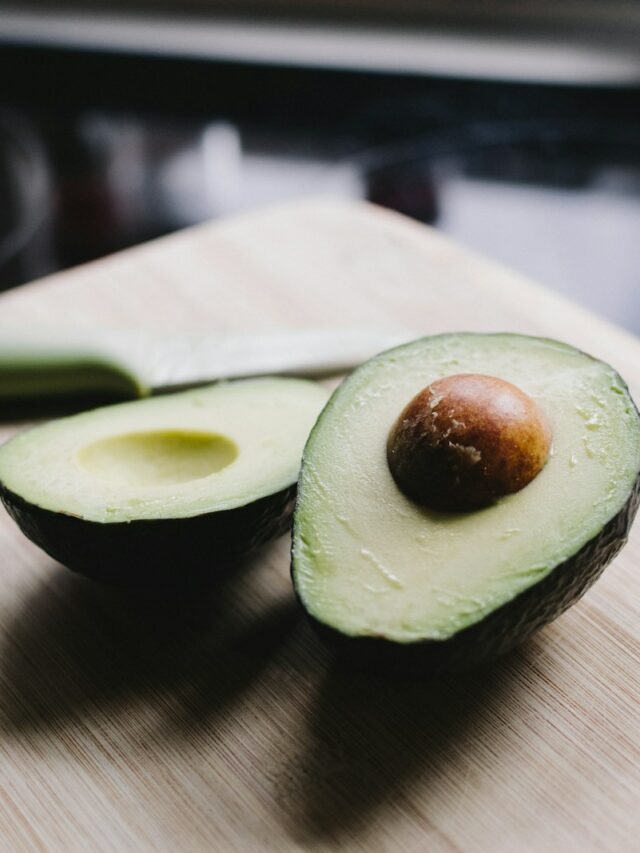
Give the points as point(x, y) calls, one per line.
point(513, 127)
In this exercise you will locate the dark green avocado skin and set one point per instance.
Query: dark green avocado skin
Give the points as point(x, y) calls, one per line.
point(503, 629)
point(166, 552)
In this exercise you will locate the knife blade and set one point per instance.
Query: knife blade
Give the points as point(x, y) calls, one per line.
point(50, 362)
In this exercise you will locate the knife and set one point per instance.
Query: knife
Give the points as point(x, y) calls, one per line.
point(48, 363)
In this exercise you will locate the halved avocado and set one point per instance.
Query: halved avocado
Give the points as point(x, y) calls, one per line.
point(390, 581)
point(159, 489)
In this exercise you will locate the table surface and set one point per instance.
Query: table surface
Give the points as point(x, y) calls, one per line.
point(219, 722)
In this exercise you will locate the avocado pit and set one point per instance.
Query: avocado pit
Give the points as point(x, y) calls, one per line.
point(467, 440)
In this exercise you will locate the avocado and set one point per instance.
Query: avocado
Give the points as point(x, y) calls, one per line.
point(166, 488)
point(393, 577)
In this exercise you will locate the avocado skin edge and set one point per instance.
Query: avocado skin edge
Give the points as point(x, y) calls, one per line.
point(169, 552)
point(501, 630)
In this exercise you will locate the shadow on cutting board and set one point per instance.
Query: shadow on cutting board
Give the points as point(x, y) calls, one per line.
point(371, 746)
point(39, 408)
point(346, 751)
point(75, 648)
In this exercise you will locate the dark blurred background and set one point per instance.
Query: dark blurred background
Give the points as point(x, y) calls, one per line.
point(514, 127)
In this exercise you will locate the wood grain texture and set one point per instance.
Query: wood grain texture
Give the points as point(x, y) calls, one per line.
point(218, 722)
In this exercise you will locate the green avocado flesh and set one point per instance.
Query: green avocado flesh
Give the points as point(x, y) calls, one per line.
point(171, 457)
point(369, 562)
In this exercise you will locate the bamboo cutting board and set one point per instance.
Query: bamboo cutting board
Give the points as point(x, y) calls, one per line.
point(220, 723)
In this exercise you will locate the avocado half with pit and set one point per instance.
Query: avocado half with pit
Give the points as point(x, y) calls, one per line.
point(161, 489)
point(403, 551)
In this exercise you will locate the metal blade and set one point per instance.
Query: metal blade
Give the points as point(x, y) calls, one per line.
point(50, 360)
point(313, 352)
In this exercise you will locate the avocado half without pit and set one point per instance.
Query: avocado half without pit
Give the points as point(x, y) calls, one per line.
point(163, 489)
point(458, 493)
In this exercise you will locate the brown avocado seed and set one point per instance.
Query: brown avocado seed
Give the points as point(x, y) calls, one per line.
point(466, 440)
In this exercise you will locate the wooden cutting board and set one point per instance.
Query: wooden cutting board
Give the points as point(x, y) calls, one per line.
point(220, 723)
